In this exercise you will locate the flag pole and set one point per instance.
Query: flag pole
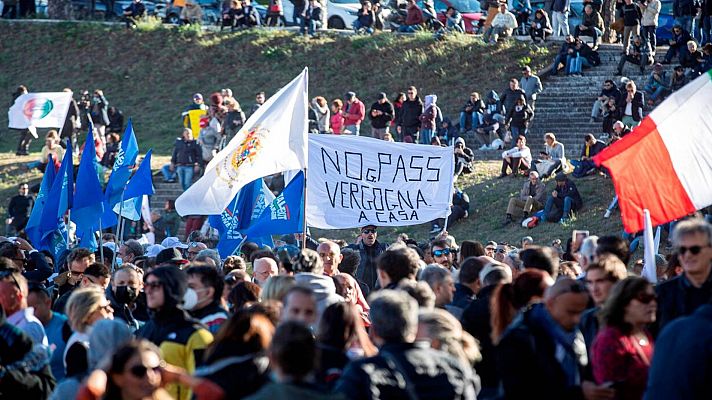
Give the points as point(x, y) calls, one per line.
point(101, 245)
point(119, 230)
point(69, 221)
point(304, 211)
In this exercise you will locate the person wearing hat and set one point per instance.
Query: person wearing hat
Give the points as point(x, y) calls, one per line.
point(171, 256)
point(354, 113)
point(531, 199)
point(369, 249)
point(463, 158)
point(564, 200)
point(471, 112)
point(656, 85)
point(181, 339)
point(381, 115)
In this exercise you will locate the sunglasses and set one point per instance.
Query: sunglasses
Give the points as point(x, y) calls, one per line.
point(75, 273)
point(153, 285)
point(368, 231)
point(139, 371)
point(646, 297)
point(440, 253)
point(695, 250)
point(500, 251)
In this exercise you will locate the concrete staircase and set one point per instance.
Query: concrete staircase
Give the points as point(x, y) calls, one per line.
point(564, 107)
point(166, 191)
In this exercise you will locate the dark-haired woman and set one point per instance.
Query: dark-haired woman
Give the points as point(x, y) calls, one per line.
point(622, 351)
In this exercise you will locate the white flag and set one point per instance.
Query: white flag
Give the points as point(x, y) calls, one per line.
point(353, 181)
point(39, 110)
point(273, 140)
point(649, 268)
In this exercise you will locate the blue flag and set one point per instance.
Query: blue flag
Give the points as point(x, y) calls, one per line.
point(89, 198)
point(252, 198)
point(120, 173)
point(141, 184)
point(53, 230)
point(284, 214)
point(33, 224)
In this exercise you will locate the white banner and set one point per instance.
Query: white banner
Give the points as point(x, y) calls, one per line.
point(353, 181)
point(39, 110)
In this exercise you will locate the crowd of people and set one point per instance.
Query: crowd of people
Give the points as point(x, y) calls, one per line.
point(363, 320)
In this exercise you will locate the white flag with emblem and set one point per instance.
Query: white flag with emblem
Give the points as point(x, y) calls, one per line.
point(273, 140)
point(39, 110)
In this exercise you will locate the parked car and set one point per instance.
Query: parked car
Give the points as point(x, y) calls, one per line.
point(470, 10)
point(340, 14)
point(82, 9)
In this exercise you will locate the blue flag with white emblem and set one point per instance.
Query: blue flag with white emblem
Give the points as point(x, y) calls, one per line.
point(120, 173)
point(284, 214)
point(249, 204)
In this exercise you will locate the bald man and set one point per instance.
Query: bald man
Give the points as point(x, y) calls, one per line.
point(331, 256)
point(263, 268)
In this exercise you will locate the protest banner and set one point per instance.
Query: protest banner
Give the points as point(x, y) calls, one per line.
point(354, 181)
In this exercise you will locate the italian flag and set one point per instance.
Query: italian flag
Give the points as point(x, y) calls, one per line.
point(665, 164)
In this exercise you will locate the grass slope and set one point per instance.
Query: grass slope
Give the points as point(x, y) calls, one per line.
point(150, 74)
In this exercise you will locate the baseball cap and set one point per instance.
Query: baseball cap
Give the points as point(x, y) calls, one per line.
point(153, 250)
point(173, 241)
point(495, 266)
point(197, 96)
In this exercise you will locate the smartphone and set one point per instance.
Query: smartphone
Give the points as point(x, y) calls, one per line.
point(577, 237)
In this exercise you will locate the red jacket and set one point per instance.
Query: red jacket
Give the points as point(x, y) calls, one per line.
point(415, 16)
point(355, 113)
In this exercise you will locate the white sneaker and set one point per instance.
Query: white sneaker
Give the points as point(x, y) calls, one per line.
point(607, 214)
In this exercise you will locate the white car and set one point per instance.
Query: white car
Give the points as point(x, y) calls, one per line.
point(341, 14)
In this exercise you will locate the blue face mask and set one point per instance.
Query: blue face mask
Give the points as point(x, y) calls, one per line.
point(119, 261)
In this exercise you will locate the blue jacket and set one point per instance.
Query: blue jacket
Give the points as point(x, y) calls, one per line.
point(682, 364)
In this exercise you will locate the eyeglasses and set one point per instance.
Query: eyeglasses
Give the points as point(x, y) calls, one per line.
point(501, 251)
point(490, 249)
point(153, 285)
point(368, 231)
point(139, 371)
point(695, 250)
point(440, 253)
point(646, 297)
point(75, 273)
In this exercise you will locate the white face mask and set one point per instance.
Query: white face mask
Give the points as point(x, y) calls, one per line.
point(190, 299)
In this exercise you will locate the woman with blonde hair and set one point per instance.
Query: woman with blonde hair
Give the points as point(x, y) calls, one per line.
point(552, 159)
point(277, 286)
point(445, 333)
point(85, 307)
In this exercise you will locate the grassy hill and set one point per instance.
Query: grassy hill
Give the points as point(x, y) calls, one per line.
point(151, 74)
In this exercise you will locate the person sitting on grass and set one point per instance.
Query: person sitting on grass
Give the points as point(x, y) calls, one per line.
point(552, 159)
point(564, 200)
point(518, 158)
point(585, 165)
point(503, 24)
point(531, 199)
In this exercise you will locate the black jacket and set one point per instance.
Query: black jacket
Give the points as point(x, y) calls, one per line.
point(463, 296)
point(631, 14)
point(476, 106)
point(410, 113)
point(509, 98)
point(682, 8)
point(384, 119)
point(237, 374)
point(527, 363)
point(678, 297)
point(186, 153)
point(597, 147)
point(25, 372)
point(612, 92)
point(636, 105)
point(366, 271)
point(520, 119)
point(431, 374)
point(19, 210)
point(570, 190)
point(122, 311)
point(476, 321)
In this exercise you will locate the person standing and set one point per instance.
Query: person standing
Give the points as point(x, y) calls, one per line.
point(72, 122)
point(369, 249)
point(185, 160)
point(354, 113)
point(560, 16)
point(18, 211)
point(531, 85)
point(100, 114)
point(409, 123)
point(649, 21)
point(429, 119)
point(381, 115)
point(23, 146)
point(631, 22)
